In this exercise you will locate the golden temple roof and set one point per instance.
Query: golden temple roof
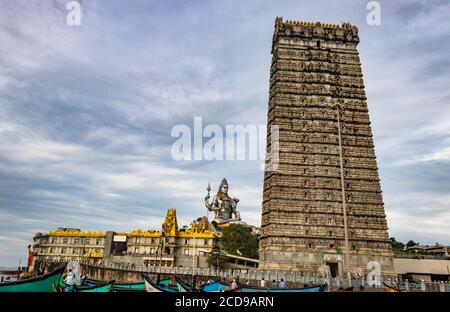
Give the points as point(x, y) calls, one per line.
point(77, 233)
point(198, 229)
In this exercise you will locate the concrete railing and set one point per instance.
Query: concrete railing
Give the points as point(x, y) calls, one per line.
point(272, 277)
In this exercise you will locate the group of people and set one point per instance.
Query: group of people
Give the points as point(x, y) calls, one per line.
point(235, 283)
point(281, 284)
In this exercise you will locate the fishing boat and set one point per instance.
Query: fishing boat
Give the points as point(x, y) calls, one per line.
point(93, 282)
point(87, 286)
point(214, 286)
point(139, 286)
point(151, 286)
point(184, 287)
point(217, 286)
point(98, 288)
point(122, 287)
point(44, 283)
point(316, 288)
point(127, 290)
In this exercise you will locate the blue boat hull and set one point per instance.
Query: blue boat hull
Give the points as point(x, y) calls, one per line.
point(220, 287)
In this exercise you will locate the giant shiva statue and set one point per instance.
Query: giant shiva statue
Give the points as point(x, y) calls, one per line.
point(224, 207)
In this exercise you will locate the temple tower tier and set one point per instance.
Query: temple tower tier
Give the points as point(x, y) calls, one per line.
point(322, 205)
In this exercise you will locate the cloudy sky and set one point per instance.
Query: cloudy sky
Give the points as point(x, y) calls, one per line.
point(86, 111)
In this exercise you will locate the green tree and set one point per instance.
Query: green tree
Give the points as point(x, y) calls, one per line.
point(216, 259)
point(397, 245)
point(411, 243)
point(239, 238)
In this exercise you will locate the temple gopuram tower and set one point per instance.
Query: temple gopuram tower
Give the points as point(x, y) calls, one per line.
point(322, 206)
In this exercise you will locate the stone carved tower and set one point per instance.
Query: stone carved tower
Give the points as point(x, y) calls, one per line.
point(322, 206)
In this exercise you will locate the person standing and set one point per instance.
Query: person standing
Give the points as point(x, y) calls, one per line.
point(234, 285)
point(70, 281)
point(263, 283)
point(282, 284)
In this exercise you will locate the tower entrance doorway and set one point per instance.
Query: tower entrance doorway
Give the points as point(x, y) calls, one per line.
point(334, 269)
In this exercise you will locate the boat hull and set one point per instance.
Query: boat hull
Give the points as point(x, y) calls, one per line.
point(45, 283)
point(130, 286)
point(318, 288)
point(101, 288)
point(150, 286)
point(214, 287)
point(184, 287)
point(219, 287)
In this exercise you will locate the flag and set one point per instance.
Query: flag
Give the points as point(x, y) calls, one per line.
point(30, 256)
point(238, 252)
